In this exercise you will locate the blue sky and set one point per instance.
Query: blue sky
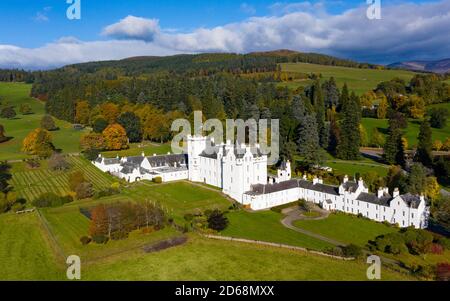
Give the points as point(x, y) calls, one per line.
point(30, 30)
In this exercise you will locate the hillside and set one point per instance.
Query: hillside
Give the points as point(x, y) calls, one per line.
point(439, 66)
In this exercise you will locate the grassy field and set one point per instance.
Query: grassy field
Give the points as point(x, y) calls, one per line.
point(352, 167)
point(358, 80)
point(66, 138)
point(136, 149)
point(25, 252)
point(180, 197)
point(411, 132)
point(266, 226)
point(31, 183)
point(202, 259)
point(346, 228)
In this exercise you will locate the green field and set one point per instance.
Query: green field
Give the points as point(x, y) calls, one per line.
point(202, 259)
point(66, 138)
point(358, 80)
point(346, 228)
point(353, 167)
point(25, 252)
point(136, 149)
point(179, 197)
point(31, 183)
point(266, 226)
point(412, 131)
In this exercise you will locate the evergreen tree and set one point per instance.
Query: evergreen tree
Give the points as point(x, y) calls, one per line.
point(394, 152)
point(417, 179)
point(319, 108)
point(425, 144)
point(308, 141)
point(132, 125)
point(330, 93)
point(348, 149)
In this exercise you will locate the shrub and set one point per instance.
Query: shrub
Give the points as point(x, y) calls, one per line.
point(100, 239)
point(8, 112)
point(436, 249)
point(91, 154)
point(336, 251)
point(84, 190)
point(217, 221)
point(352, 250)
point(48, 123)
point(58, 162)
point(17, 207)
point(443, 271)
point(50, 199)
point(157, 180)
point(75, 179)
point(85, 240)
point(106, 192)
point(438, 117)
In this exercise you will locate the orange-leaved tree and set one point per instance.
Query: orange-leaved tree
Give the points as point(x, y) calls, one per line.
point(38, 142)
point(115, 137)
point(99, 221)
point(82, 112)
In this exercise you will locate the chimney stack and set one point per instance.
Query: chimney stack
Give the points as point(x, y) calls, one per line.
point(380, 192)
point(345, 179)
point(396, 192)
point(315, 180)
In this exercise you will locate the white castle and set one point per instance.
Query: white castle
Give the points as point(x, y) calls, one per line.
point(241, 172)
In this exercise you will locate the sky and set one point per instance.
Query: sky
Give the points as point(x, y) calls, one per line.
point(38, 34)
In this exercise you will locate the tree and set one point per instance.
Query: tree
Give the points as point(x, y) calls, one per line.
point(100, 124)
point(25, 109)
point(82, 112)
point(38, 142)
point(84, 190)
point(425, 144)
point(446, 145)
point(394, 152)
point(416, 106)
point(110, 111)
point(92, 141)
point(330, 93)
point(319, 106)
point(334, 136)
point(5, 177)
point(437, 145)
point(58, 162)
point(99, 225)
point(75, 179)
point(3, 137)
point(8, 112)
point(115, 137)
point(217, 220)
point(364, 141)
point(48, 123)
point(376, 139)
point(348, 149)
point(396, 179)
point(308, 141)
point(132, 126)
point(382, 107)
point(438, 117)
point(417, 179)
point(432, 188)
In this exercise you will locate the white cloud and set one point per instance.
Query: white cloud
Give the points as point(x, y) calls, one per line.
point(42, 16)
point(133, 27)
point(406, 31)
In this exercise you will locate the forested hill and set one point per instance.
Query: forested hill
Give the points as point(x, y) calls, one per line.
point(210, 63)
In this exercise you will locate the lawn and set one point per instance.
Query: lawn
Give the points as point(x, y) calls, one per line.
point(69, 225)
point(358, 80)
point(203, 259)
point(352, 167)
point(66, 138)
point(266, 226)
point(25, 252)
point(346, 228)
point(31, 183)
point(136, 149)
point(180, 197)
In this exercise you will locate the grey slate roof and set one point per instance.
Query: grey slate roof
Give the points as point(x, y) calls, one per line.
point(374, 199)
point(350, 186)
point(110, 161)
point(411, 200)
point(135, 160)
point(168, 160)
point(270, 188)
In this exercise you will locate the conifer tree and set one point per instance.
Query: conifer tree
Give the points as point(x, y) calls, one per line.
point(348, 148)
point(425, 144)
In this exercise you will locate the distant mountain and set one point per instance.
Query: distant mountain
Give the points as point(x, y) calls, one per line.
point(440, 66)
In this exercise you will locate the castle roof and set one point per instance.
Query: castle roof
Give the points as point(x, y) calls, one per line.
point(374, 199)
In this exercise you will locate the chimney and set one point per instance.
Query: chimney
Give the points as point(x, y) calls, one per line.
point(99, 155)
point(380, 192)
point(345, 179)
point(422, 198)
point(396, 192)
point(315, 180)
point(386, 190)
point(320, 180)
point(143, 154)
point(304, 177)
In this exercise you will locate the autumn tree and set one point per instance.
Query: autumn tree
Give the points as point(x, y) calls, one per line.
point(115, 137)
point(110, 111)
point(25, 109)
point(58, 162)
point(82, 112)
point(99, 225)
point(8, 112)
point(92, 141)
point(75, 179)
point(38, 142)
point(376, 139)
point(382, 107)
point(48, 123)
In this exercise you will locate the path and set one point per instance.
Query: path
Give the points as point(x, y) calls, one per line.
point(295, 215)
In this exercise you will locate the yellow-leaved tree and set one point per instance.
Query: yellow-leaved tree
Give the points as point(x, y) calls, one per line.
point(38, 142)
point(115, 137)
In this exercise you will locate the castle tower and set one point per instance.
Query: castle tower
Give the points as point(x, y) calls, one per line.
point(195, 146)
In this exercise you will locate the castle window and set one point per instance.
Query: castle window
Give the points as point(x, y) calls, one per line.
point(412, 215)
